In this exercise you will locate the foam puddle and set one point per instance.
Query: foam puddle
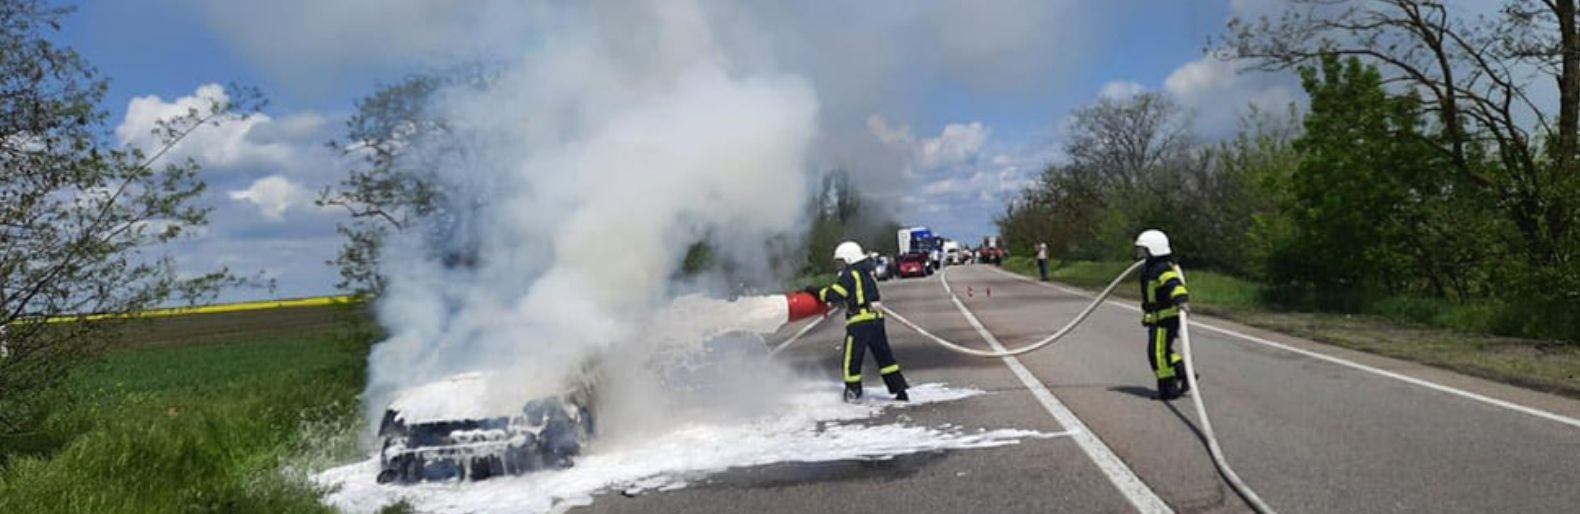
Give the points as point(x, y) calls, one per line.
point(813, 426)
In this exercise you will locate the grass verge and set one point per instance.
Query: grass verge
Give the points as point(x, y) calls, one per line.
point(1429, 331)
point(222, 427)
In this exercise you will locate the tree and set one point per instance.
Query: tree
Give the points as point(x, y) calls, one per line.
point(1372, 206)
point(1243, 191)
point(1468, 76)
point(79, 217)
point(1362, 160)
point(1125, 173)
point(1125, 139)
point(838, 213)
point(403, 142)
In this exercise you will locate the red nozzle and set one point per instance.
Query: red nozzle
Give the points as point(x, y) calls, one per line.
point(803, 305)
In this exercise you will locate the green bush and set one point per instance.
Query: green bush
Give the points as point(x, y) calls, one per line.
point(1425, 311)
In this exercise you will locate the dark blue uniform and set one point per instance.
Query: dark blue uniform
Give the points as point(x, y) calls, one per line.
point(857, 291)
point(1162, 293)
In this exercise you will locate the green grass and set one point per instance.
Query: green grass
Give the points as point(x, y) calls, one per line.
point(1214, 291)
point(202, 428)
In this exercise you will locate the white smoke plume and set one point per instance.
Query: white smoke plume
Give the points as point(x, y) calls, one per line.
point(613, 142)
point(621, 131)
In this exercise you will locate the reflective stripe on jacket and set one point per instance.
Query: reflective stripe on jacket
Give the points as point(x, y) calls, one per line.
point(1162, 290)
point(857, 291)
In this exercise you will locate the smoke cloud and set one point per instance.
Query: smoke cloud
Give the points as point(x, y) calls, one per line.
point(620, 132)
point(598, 156)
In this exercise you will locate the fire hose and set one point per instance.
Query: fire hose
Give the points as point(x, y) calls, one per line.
point(1208, 436)
point(1025, 349)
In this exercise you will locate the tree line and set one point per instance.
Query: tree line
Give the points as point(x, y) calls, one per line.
point(1426, 165)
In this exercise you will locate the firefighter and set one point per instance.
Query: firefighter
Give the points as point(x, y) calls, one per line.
point(857, 292)
point(1163, 296)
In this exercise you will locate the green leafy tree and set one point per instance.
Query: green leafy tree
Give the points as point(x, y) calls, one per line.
point(1373, 203)
point(1498, 137)
point(81, 218)
point(1126, 172)
point(1242, 199)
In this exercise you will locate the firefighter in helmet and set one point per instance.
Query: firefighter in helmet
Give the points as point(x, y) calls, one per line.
point(1163, 296)
point(857, 292)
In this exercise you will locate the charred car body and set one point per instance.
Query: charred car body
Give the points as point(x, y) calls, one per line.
point(438, 432)
point(426, 437)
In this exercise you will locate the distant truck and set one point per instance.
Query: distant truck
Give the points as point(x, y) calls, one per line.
point(920, 240)
point(910, 237)
point(992, 250)
point(952, 252)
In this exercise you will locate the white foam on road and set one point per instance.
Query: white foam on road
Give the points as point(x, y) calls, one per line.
point(813, 425)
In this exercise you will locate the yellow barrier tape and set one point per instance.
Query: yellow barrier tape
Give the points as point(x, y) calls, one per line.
point(316, 301)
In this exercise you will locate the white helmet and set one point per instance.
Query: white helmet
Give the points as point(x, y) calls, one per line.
point(849, 252)
point(1155, 242)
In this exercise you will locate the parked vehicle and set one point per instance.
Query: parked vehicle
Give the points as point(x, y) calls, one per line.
point(882, 268)
point(913, 265)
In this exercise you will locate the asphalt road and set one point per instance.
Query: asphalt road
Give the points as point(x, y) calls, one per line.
point(1310, 427)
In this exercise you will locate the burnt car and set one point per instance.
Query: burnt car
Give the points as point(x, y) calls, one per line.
point(447, 430)
point(439, 432)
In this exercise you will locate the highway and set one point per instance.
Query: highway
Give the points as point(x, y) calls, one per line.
point(1311, 427)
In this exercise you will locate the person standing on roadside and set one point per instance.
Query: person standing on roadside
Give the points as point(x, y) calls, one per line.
point(1042, 261)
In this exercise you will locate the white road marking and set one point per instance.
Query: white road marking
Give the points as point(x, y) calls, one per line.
point(1551, 416)
point(1137, 492)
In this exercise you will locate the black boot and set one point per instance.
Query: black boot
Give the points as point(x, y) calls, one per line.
point(852, 392)
point(1179, 374)
point(897, 386)
point(1168, 389)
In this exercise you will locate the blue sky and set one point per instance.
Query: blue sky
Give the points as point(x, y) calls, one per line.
point(970, 102)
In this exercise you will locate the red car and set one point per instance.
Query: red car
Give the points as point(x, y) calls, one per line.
point(913, 265)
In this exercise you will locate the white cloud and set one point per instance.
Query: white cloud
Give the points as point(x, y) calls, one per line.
point(957, 143)
point(961, 204)
point(260, 170)
point(1121, 89)
point(1218, 93)
point(232, 143)
point(273, 195)
point(880, 129)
